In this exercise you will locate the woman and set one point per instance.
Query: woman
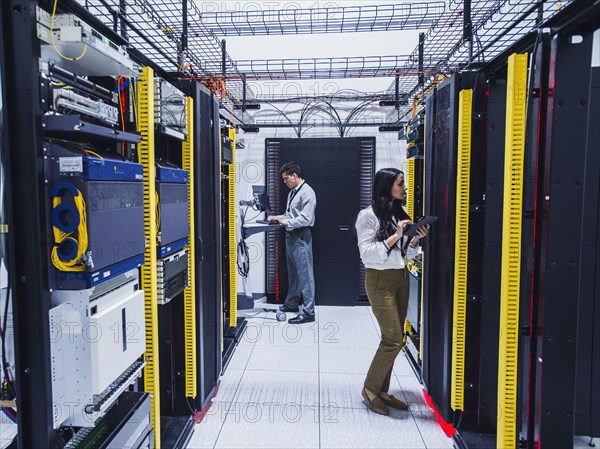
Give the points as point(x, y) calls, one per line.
point(384, 251)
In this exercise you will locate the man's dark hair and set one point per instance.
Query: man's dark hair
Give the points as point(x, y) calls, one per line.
point(291, 168)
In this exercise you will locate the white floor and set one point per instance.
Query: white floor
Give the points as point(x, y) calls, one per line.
point(299, 387)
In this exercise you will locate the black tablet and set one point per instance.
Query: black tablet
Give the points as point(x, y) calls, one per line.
point(412, 230)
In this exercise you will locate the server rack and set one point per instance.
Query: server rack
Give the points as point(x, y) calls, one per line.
point(468, 250)
point(233, 326)
point(5, 288)
point(454, 154)
point(208, 270)
point(176, 314)
point(523, 328)
point(587, 400)
point(415, 154)
point(556, 269)
point(30, 266)
point(26, 217)
point(327, 256)
point(441, 117)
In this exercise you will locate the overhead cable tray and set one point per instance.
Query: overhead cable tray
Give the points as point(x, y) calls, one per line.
point(336, 19)
point(155, 29)
point(495, 26)
point(325, 124)
point(329, 68)
point(339, 96)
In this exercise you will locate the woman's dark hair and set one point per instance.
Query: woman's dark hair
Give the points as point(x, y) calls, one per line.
point(384, 206)
point(291, 168)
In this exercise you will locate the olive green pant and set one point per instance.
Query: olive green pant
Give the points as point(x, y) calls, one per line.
point(388, 294)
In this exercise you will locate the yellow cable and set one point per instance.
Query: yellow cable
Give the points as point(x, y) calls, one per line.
point(54, 43)
point(157, 212)
point(81, 240)
point(94, 154)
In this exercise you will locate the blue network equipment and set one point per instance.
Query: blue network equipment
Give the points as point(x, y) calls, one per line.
point(95, 215)
point(172, 191)
point(172, 185)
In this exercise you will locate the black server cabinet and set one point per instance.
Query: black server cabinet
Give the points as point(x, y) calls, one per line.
point(587, 399)
point(207, 194)
point(28, 268)
point(4, 210)
point(535, 167)
point(548, 420)
point(471, 407)
point(441, 185)
point(413, 312)
point(340, 170)
point(175, 407)
point(441, 117)
point(491, 265)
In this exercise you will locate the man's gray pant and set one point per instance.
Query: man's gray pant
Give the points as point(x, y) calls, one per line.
point(301, 276)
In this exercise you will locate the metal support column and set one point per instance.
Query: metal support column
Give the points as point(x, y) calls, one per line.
point(421, 57)
point(468, 29)
point(28, 251)
point(397, 93)
point(244, 94)
point(224, 58)
point(184, 34)
point(123, 18)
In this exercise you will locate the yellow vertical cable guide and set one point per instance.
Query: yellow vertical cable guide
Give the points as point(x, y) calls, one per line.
point(461, 250)
point(410, 210)
point(232, 235)
point(149, 282)
point(189, 295)
point(221, 300)
point(516, 112)
point(410, 198)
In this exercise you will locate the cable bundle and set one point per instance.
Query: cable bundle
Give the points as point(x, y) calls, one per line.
point(69, 225)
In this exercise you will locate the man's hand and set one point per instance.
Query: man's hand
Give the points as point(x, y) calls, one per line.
point(274, 219)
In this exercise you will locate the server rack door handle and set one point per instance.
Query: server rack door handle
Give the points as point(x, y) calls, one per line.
point(200, 251)
point(344, 228)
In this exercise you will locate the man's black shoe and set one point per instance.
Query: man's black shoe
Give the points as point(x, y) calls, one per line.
point(301, 319)
point(285, 309)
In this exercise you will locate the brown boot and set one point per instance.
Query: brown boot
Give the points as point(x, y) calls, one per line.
point(396, 403)
point(377, 404)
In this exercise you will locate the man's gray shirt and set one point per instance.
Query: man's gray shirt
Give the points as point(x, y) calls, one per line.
point(300, 212)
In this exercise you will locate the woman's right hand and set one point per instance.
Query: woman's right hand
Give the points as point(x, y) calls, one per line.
point(400, 227)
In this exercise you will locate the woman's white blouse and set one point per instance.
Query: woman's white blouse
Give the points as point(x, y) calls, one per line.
point(375, 254)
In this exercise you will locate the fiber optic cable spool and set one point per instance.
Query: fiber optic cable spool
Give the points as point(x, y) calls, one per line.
point(95, 216)
point(70, 228)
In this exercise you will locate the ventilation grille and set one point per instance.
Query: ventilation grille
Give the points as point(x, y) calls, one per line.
point(273, 238)
point(367, 173)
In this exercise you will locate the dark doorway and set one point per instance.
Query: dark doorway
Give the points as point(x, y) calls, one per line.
point(338, 170)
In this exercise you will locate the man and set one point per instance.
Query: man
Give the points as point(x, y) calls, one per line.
point(298, 220)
